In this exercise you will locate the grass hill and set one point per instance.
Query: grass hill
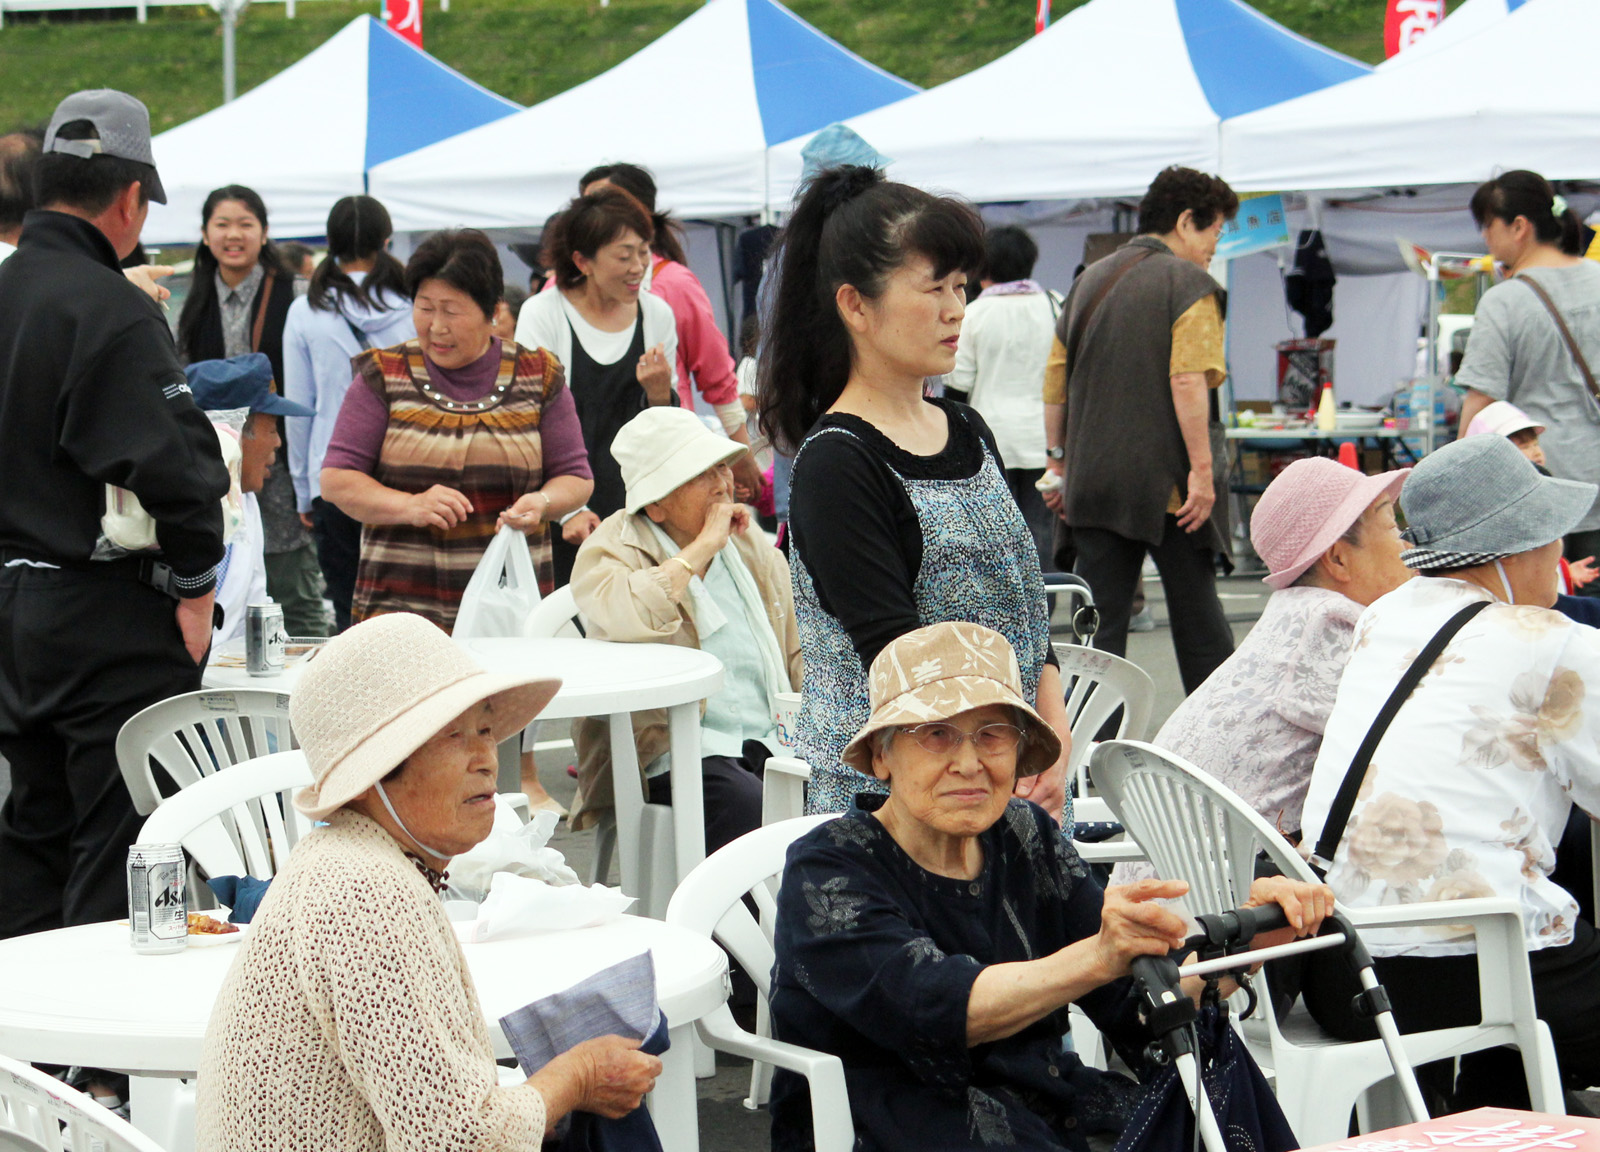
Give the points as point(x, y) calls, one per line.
point(527, 50)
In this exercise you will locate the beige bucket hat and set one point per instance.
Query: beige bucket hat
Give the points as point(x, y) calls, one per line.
point(662, 449)
point(941, 671)
point(377, 693)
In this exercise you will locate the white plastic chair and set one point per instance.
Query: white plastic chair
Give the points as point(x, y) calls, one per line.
point(1099, 684)
point(39, 1113)
point(710, 901)
point(783, 789)
point(1195, 829)
point(193, 735)
point(239, 822)
point(556, 615)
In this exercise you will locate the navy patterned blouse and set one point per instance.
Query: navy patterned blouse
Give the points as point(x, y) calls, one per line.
point(876, 958)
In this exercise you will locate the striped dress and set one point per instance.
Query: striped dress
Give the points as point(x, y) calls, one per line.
point(488, 449)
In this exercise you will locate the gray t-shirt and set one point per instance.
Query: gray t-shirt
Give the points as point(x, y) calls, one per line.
point(1516, 353)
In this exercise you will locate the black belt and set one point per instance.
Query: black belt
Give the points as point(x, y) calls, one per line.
point(148, 570)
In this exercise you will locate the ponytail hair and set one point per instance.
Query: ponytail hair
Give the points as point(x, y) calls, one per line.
point(203, 281)
point(1530, 195)
point(850, 226)
point(358, 229)
point(637, 182)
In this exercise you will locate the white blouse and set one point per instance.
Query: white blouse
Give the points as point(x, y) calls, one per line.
point(547, 320)
point(1470, 789)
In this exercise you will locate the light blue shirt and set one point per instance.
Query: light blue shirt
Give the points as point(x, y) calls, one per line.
point(742, 710)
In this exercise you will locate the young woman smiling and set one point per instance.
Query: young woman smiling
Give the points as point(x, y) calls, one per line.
point(238, 302)
point(900, 510)
point(619, 343)
point(445, 438)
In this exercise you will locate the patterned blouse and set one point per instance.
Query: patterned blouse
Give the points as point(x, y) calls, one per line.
point(1470, 789)
point(876, 959)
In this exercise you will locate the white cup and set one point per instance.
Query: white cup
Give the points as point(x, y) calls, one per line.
point(786, 719)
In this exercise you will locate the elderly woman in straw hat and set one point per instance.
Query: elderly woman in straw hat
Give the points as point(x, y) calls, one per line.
point(933, 938)
point(1469, 786)
point(349, 1019)
point(681, 563)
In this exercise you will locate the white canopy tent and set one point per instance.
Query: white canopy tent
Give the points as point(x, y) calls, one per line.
point(1518, 92)
point(1096, 105)
point(306, 137)
point(700, 107)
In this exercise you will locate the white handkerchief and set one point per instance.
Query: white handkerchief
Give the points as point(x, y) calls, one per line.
point(518, 905)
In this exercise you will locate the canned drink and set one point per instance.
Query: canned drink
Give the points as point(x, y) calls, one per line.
point(158, 906)
point(265, 640)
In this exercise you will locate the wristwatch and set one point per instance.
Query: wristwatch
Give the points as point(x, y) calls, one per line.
point(1057, 453)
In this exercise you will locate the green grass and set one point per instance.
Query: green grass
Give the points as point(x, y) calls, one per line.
point(527, 50)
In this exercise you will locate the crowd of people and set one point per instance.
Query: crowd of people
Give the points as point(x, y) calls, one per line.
point(1410, 708)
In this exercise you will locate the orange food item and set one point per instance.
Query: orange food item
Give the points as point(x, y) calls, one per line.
point(202, 925)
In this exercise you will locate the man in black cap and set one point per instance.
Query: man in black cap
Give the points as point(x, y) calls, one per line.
point(91, 394)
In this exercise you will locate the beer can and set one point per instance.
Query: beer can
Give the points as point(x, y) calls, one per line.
point(265, 639)
point(158, 906)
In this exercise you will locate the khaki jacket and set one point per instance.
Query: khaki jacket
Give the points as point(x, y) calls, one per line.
point(623, 595)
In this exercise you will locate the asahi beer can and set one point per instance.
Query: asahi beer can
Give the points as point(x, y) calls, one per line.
point(158, 907)
point(265, 639)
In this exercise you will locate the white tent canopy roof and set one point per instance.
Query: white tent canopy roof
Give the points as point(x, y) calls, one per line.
point(1519, 92)
point(306, 137)
point(1096, 105)
point(699, 107)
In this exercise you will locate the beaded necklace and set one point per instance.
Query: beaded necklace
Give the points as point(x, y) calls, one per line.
point(435, 877)
point(424, 383)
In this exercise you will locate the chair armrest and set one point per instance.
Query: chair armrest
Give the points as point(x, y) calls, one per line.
point(830, 1102)
point(789, 766)
point(1093, 810)
point(1110, 852)
point(1490, 909)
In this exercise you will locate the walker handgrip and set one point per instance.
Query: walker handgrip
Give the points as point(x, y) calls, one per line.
point(1239, 926)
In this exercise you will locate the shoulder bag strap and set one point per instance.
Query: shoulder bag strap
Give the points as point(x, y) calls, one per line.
point(261, 310)
point(1345, 801)
point(361, 337)
point(1566, 333)
point(1075, 334)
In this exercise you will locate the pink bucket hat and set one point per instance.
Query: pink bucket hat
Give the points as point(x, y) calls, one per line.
point(1502, 418)
point(1310, 505)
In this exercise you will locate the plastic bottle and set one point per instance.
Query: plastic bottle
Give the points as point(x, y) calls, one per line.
point(1421, 403)
point(1327, 411)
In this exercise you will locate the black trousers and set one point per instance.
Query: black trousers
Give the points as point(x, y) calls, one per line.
point(80, 653)
point(732, 787)
point(1200, 632)
point(338, 540)
point(1037, 515)
point(1430, 992)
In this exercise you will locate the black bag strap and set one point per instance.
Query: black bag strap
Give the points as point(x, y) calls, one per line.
point(1080, 325)
point(1566, 333)
point(1345, 801)
point(361, 337)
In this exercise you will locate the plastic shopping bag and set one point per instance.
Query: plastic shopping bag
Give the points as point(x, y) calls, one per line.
point(502, 591)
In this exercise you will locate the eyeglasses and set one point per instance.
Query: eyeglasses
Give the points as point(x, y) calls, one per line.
point(943, 739)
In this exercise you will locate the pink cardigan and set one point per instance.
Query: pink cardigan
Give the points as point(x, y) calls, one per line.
point(702, 348)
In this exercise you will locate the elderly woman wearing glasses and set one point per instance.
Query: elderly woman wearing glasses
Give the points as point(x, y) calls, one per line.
point(933, 939)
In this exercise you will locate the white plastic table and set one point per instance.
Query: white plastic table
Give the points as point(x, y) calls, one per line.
point(599, 678)
point(83, 996)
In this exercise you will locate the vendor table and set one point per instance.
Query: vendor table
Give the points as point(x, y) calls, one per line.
point(83, 996)
point(599, 678)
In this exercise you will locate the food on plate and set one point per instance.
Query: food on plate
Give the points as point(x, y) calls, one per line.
point(202, 925)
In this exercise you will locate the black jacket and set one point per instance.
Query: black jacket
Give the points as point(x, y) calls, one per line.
point(91, 394)
point(207, 340)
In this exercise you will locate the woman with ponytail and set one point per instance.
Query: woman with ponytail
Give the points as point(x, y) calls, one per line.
point(704, 362)
point(899, 511)
point(1518, 351)
point(239, 300)
point(357, 300)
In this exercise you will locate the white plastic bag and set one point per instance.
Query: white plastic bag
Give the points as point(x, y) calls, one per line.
point(503, 590)
point(514, 847)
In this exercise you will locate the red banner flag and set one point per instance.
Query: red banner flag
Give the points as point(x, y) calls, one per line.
point(1041, 17)
point(404, 17)
point(1407, 20)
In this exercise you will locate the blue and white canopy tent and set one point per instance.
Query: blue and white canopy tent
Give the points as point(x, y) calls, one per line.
point(307, 137)
point(700, 107)
point(1097, 104)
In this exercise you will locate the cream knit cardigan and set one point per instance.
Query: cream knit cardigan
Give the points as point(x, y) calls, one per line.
point(349, 1021)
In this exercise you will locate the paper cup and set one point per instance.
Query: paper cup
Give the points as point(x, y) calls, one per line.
point(787, 718)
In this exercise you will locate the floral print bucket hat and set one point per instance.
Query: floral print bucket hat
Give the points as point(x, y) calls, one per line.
point(941, 671)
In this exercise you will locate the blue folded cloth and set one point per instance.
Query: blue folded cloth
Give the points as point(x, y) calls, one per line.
point(241, 893)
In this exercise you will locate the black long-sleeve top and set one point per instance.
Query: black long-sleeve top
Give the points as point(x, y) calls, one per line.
point(91, 393)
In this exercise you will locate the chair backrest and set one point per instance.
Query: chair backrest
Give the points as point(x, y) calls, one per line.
point(34, 1107)
point(1097, 684)
point(239, 822)
point(556, 615)
point(193, 735)
point(710, 900)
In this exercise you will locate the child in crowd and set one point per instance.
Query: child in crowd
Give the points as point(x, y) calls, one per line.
point(1503, 418)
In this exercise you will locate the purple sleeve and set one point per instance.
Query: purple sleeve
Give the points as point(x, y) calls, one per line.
point(358, 433)
point(561, 438)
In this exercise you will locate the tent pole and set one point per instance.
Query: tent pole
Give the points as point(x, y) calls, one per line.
point(229, 9)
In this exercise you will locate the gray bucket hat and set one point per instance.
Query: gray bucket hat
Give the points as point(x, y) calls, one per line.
point(1480, 499)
